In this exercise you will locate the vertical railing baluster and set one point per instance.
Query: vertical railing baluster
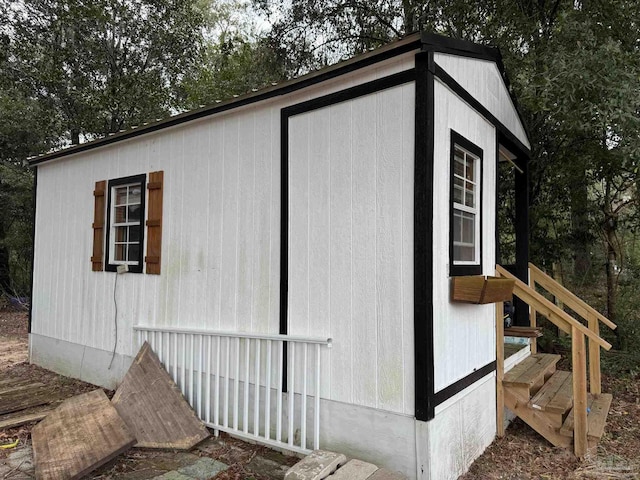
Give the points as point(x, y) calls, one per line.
point(236, 385)
point(207, 397)
point(216, 396)
point(267, 398)
point(245, 407)
point(226, 385)
point(256, 390)
point(184, 363)
point(200, 392)
point(316, 412)
point(303, 404)
point(175, 357)
point(191, 370)
point(291, 391)
point(279, 393)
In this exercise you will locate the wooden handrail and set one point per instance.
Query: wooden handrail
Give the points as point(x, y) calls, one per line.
point(555, 314)
point(574, 302)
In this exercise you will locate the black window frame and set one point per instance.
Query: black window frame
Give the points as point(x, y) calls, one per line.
point(461, 141)
point(116, 182)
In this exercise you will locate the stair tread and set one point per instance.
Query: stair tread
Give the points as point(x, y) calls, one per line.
point(530, 370)
point(596, 418)
point(556, 395)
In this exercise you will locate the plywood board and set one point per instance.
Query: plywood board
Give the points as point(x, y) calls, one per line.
point(83, 433)
point(152, 406)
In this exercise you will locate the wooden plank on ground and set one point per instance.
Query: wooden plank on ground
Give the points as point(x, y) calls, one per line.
point(83, 433)
point(17, 388)
point(153, 407)
point(13, 382)
point(23, 399)
point(16, 420)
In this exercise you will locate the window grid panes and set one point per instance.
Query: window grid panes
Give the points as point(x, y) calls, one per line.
point(126, 224)
point(465, 207)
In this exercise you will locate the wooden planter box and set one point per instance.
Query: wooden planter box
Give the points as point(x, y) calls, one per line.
point(478, 289)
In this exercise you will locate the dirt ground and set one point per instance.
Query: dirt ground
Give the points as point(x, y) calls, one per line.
point(245, 461)
point(521, 454)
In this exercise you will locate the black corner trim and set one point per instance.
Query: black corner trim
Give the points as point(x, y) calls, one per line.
point(423, 238)
point(457, 139)
point(400, 47)
point(33, 247)
point(448, 392)
point(351, 93)
point(459, 90)
point(142, 179)
point(284, 237)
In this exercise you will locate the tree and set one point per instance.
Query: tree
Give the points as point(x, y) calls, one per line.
point(237, 58)
point(105, 65)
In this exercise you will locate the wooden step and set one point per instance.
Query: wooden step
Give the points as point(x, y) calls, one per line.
point(529, 375)
point(598, 406)
point(556, 395)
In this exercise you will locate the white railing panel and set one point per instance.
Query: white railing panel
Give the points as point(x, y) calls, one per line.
point(234, 381)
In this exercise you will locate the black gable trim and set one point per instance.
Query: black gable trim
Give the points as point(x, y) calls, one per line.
point(461, 47)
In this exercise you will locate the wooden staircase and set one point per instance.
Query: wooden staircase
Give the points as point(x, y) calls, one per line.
point(564, 407)
point(543, 397)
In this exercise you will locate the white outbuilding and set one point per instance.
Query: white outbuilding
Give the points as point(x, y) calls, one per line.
point(289, 255)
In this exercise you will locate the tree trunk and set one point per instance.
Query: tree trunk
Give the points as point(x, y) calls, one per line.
point(75, 136)
point(611, 274)
point(580, 227)
point(5, 274)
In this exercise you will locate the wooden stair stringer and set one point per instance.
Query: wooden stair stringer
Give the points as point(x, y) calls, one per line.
point(536, 419)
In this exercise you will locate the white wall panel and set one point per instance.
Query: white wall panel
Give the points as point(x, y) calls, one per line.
point(464, 335)
point(482, 79)
point(351, 243)
point(221, 228)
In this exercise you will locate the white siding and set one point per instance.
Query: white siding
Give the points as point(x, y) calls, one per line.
point(464, 335)
point(351, 243)
point(221, 230)
point(482, 79)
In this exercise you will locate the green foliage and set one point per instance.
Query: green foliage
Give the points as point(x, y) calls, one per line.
point(107, 64)
point(16, 219)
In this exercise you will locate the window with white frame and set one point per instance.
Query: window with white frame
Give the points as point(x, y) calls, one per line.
point(125, 230)
point(465, 231)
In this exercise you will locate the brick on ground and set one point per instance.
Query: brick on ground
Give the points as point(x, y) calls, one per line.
point(318, 465)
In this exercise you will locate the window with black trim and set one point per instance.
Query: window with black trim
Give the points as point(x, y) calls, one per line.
point(125, 223)
point(465, 232)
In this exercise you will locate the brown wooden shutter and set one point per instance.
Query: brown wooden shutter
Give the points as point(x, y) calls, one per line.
point(100, 200)
point(154, 222)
